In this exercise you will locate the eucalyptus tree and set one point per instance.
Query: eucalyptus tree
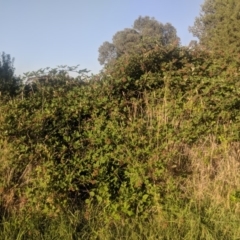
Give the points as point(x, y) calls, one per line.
point(145, 29)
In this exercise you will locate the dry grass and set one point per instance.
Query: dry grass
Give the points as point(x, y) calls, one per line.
point(215, 172)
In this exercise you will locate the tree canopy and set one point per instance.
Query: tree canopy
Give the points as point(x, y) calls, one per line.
point(145, 29)
point(218, 26)
point(9, 84)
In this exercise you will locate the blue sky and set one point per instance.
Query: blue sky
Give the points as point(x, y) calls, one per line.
point(47, 33)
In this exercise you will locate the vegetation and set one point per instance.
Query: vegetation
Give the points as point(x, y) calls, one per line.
point(218, 27)
point(148, 149)
point(129, 40)
point(9, 84)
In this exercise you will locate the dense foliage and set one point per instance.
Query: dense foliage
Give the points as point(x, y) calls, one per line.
point(99, 141)
point(218, 26)
point(147, 148)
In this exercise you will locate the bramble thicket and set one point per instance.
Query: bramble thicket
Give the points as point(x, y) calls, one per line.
point(149, 147)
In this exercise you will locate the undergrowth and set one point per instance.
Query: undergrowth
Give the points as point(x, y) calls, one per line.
point(147, 150)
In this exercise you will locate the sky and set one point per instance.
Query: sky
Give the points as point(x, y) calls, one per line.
point(48, 33)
